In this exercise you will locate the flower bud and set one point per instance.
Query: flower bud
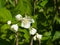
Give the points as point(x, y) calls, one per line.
point(18, 17)
point(9, 22)
point(14, 27)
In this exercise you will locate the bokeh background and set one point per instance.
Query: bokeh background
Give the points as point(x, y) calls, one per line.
point(46, 14)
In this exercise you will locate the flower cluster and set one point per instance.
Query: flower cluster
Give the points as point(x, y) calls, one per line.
point(26, 23)
point(33, 31)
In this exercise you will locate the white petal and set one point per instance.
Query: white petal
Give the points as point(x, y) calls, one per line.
point(15, 27)
point(32, 20)
point(33, 31)
point(18, 17)
point(22, 24)
point(9, 22)
point(34, 37)
point(27, 25)
point(39, 36)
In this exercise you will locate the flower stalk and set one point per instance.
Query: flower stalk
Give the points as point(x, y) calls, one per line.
point(39, 42)
point(31, 41)
point(16, 38)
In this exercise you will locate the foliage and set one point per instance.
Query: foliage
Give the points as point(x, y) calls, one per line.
point(47, 21)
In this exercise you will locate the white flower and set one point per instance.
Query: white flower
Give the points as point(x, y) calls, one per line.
point(39, 36)
point(34, 37)
point(9, 22)
point(33, 31)
point(26, 22)
point(18, 17)
point(14, 27)
point(25, 25)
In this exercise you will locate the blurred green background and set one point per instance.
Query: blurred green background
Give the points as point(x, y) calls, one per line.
point(46, 14)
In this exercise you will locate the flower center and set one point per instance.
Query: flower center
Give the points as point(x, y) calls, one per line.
point(26, 21)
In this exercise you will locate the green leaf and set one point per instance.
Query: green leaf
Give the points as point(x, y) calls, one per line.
point(3, 36)
point(11, 2)
point(24, 6)
point(46, 36)
point(11, 37)
point(43, 3)
point(35, 23)
point(56, 35)
point(57, 18)
point(47, 33)
point(26, 34)
point(26, 37)
point(2, 3)
point(5, 15)
point(4, 28)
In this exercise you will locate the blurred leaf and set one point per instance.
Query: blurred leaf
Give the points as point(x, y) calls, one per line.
point(24, 6)
point(4, 28)
point(5, 15)
point(46, 35)
point(3, 36)
point(43, 3)
point(11, 37)
point(26, 34)
point(2, 3)
point(56, 35)
point(35, 23)
point(11, 2)
point(44, 24)
point(50, 9)
point(57, 18)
